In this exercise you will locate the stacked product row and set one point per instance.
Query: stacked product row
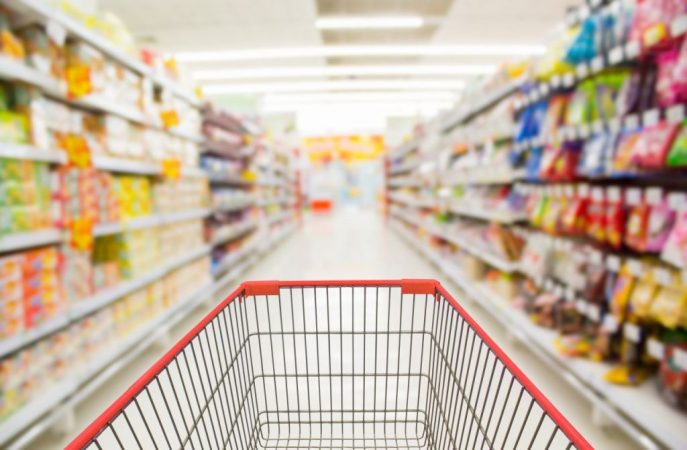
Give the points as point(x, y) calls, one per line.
point(252, 193)
point(561, 198)
point(109, 228)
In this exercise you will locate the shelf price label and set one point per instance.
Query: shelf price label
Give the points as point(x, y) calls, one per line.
point(632, 332)
point(169, 118)
point(82, 234)
point(171, 168)
point(78, 153)
point(655, 348)
point(79, 81)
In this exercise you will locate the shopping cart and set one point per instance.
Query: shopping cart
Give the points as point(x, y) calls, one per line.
point(333, 364)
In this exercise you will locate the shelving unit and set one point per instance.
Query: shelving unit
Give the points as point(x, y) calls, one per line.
point(53, 401)
point(44, 13)
point(489, 124)
point(654, 425)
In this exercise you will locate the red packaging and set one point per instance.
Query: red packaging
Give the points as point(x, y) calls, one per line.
point(615, 217)
point(653, 145)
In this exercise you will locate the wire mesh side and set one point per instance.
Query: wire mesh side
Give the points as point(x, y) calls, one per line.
point(478, 401)
point(342, 367)
point(204, 398)
point(335, 367)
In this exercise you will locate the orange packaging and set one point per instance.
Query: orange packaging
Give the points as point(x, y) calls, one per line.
point(10, 267)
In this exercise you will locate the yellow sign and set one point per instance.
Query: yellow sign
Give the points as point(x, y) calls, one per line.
point(79, 81)
point(346, 148)
point(171, 168)
point(78, 153)
point(82, 234)
point(170, 118)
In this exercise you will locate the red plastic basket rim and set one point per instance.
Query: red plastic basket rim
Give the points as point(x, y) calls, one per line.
point(248, 288)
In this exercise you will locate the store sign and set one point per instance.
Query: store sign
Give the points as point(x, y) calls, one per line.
point(171, 168)
point(346, 148)
point(170, 118)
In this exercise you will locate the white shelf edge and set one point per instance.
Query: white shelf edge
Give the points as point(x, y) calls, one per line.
point(235, 207)
point(243, 229)
point(492, 260)
point(12, 344)
point(486, 214)
point(29, 239)
point(496, 176)
point(180, 216)
point(30, 153)
point(418, 203)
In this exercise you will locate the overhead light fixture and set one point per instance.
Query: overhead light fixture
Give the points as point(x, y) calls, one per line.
point(345, 85)
point(329, 71)
point(357, 22)
point(396, 107)
point(360, 50)
point(371, 96)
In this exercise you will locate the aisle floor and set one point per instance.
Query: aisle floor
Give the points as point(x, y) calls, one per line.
point(355, 244)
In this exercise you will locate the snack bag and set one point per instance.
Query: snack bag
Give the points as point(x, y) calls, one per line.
point(667, 87)
point(627, 100)
point(622, 291)
point(637, 226)
point(651, 149)
point(672, 377)
point(596, 225)
point(677, 157)
point(661, 222)
point(643, 295)
point(622, 160)
point(554, 114)
point(593, 160)
point(574, 219)
point(675, 248)
point(615, 217)
point(669, 308)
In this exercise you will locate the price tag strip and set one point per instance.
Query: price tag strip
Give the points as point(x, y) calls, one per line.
point(632, 332)
point(655, 348)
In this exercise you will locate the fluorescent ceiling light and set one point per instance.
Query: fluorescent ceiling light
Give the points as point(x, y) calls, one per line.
point(380, 96)
point(369, 107)
point(329, 71)
point(361, 50)
point(345, 85)
point(353, 22)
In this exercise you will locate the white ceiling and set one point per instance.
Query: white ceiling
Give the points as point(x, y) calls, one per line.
point(202, 25)
point(189, 25)
point(178, 25)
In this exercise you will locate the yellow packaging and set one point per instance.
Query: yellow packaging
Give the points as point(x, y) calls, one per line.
point(622, 291)
point(670, 306)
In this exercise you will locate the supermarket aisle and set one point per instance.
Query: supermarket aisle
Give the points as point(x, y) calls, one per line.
point(347, 245)
point(355, 244)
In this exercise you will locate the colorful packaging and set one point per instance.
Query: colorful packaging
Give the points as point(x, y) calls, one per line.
point(677, 157)
point(651, 149)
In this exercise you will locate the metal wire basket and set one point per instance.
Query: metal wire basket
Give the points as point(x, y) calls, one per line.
point(333, 364)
